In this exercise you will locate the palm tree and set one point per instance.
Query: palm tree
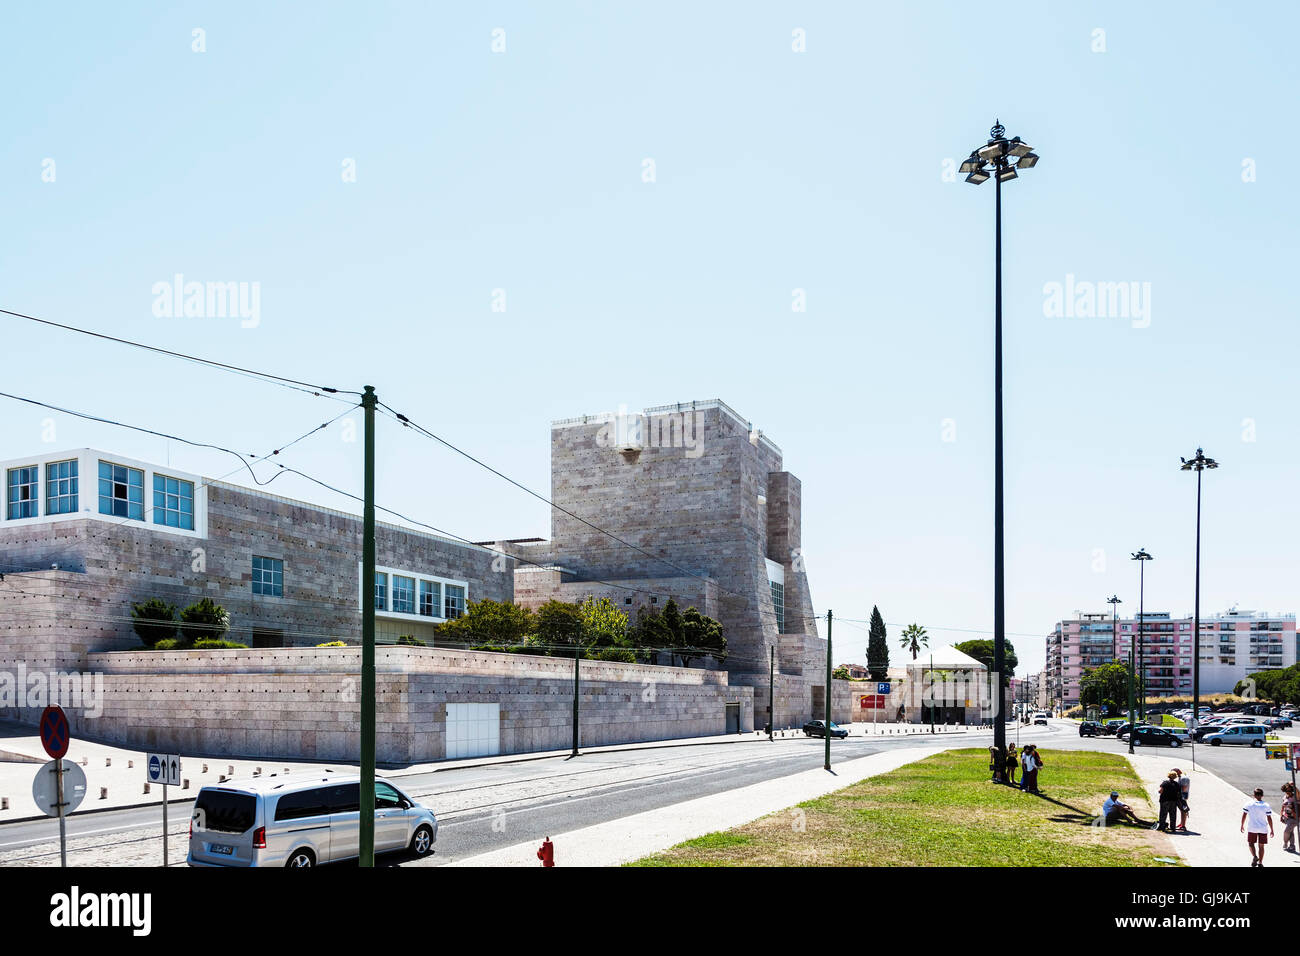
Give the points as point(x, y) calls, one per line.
point(914, 638)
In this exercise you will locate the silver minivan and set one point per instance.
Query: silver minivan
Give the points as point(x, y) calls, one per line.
point(301, 820)
point(1252, 735)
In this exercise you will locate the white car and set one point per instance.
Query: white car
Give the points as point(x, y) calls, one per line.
point(1251, 735)
point(1040, 718)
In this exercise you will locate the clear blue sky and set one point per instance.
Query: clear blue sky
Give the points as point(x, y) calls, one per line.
point(775, 170)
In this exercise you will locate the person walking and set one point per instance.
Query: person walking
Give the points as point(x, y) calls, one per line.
point(1185, 790)
point(1013, 761)
point(1290, 809)
point(1259, 816)
point(1170, 795)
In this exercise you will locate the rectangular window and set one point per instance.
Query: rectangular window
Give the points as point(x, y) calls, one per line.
point(121, 491)
point(381, 591)
point(61, 487)
point(173, 502)
point(430, 598)
point(403, 595)
point(268, 576)
point(778, 604)
point(23, 500)
point(454, 602)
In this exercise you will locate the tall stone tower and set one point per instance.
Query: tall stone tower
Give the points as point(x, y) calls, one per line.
point(704, 512)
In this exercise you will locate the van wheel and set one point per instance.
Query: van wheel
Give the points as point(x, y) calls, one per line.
point(301, 858)
point(422, 841)
point(1215, 743)
point(1257, 743)
point(1175, 743)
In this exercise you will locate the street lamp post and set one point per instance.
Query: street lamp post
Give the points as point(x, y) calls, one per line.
point(1114, 603)
point(1142, 557)
point(1197, 464)
point(998, 159)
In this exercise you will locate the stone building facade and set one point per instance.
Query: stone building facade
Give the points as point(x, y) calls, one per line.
point(688, 501)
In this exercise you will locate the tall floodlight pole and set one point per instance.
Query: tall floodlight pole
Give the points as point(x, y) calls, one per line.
point(999, 158)
point(1197, 464)
point(1142, 557)
point(367, 807)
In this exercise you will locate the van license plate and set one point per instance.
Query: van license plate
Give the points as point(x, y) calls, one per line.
point(222, 849)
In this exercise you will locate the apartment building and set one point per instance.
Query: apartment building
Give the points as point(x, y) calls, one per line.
point(1233, 644)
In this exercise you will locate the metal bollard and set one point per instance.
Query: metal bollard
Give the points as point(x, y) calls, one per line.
point(205, 768)
point(4, 803)
point(146, 787)
point(130, 764)
point(103, 793)
point(185, 783)
point(108, 761)
point(230, 770)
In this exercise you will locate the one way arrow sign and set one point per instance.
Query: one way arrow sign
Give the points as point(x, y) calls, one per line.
point(163, 768)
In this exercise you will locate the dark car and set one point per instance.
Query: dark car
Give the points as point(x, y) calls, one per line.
point(1155, 737)
point(1276, 723)
point(1090, 728)
point(817, 728)
point(1109, 727)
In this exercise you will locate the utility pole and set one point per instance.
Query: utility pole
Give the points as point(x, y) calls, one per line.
point(771, 693)
point(577, 656)
point(932, 695)
point(367, 834)
point(830, 616)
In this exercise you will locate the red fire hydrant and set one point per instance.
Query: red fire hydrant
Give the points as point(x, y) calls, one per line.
point(547, 853)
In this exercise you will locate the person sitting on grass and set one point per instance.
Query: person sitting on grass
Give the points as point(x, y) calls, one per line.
point(1114, 811)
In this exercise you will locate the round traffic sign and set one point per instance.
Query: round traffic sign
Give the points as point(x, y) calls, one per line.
point(55, 733)
point(45, 788)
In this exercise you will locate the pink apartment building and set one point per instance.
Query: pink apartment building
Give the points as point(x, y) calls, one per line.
point(1233, 644)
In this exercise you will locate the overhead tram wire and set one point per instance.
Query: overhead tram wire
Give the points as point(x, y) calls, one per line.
point(286, 469)
point(323, 391)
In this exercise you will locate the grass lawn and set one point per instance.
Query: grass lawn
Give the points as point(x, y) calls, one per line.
point(943, 811)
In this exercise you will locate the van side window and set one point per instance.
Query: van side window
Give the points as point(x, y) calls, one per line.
point(386, 797)
point(296, 806)
point(345, 798)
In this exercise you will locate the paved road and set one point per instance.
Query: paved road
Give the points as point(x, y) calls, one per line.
point(489, 807)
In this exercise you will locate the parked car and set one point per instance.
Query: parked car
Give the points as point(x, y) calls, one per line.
point(1276, 723)
point(1155, 736)
point(1251, 735)
point(301, 820)
point(1090, 728)
point(817, 728)
point(1110, 726)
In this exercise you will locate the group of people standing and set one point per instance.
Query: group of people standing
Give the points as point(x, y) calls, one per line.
point(1257, 822)
point(1174, 791)
point(1027, 761)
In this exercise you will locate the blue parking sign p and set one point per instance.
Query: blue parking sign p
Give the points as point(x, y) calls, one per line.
point(882, 687)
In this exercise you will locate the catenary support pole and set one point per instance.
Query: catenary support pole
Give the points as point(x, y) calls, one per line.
point(771, 693)
point(577, 657)
point(367, 819)
point(830, 617)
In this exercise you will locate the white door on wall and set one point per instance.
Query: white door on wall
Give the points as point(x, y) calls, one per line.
point(473, 730)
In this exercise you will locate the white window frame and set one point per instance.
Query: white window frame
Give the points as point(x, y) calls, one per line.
point(387, 612)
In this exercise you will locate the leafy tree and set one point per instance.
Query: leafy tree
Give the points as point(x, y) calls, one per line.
point(604, 623)
point(1105, 686)
point(913, 639)
point(489, 622)
point(153, 620)
point(877, 647)
point(204, 620)
point(701, 637)
point(649, 634)
point(560, 626)
point(982, 651)
point(841, 673)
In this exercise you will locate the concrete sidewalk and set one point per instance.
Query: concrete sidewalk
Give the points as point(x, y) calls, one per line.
point(630, 838)
point(1213, 836)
